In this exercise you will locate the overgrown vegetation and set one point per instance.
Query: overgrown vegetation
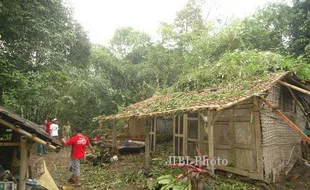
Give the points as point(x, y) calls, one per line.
point(128, 173)
point(49, 68)
point(237, 69)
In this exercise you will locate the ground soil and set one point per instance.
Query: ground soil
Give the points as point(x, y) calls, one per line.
point(58, 164)
point(297, 179)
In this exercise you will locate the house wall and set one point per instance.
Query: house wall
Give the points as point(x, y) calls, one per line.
point(137, 129)
point(236, 138)
point(280, 143)
point(163, 129)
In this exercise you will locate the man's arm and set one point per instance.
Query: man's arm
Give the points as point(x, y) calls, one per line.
point(67, 143)
point(63, 141)
point(91, 148)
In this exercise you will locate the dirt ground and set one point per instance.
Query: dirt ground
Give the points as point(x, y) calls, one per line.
point(127, 173)
point(297, 179)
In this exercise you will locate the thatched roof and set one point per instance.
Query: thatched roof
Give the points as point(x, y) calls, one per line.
point(215, 99)
point(27, 126)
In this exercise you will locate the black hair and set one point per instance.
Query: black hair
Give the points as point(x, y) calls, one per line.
point(78, 129)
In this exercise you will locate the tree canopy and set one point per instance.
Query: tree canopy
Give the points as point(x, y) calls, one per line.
point(49, 67)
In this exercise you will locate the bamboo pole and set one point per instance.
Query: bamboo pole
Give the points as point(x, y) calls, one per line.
point(211, 137)
point(233, 103)
point(32, 137)
point(301, 84)
point(23, 162)
point(9, 143)
point(147, 146)
point(288, 121)
point(100, 124)
point(294, 87)
point(203, 117)
point(14, 157)
point(298, 103)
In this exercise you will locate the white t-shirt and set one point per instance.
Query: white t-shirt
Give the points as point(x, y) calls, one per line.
point(54, 130)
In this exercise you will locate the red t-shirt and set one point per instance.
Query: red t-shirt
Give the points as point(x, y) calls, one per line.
point(78, 143)
point(48, 128)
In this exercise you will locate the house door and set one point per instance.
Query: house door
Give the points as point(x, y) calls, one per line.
point(192, 130)
point(178, 135)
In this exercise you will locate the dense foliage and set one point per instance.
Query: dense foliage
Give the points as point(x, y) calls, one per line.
point(49, 68)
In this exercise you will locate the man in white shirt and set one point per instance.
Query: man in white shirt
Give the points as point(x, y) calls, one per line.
point(54, 128)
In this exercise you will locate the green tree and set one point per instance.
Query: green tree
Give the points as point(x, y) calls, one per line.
point(129, 44)
point(299, 27)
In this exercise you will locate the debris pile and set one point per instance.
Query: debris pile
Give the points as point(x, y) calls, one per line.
point(130, 147)
point(103, 149)
point(7, 180)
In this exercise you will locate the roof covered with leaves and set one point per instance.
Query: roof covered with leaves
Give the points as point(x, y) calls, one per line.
point(27, 126)
point(174, 103)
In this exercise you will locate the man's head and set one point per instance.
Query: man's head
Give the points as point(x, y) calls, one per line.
point(44, 121)
point(78, 130)
point(54, 120)
point(68, 122)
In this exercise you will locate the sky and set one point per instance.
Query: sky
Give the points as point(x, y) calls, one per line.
point(100, 18)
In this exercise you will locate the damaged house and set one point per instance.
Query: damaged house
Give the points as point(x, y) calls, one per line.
point(257, 127)
point(16, 136)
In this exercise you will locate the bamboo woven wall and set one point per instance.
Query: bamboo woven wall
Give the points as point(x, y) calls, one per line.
point(137, 129)
point(280, 143)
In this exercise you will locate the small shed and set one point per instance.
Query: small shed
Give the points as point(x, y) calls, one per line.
point(16, 136)
point(257, 127)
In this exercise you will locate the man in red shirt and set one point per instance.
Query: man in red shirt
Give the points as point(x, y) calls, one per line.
point(78, 144)
point(48, 126)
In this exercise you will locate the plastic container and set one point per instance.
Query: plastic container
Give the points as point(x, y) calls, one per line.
point(7, 185)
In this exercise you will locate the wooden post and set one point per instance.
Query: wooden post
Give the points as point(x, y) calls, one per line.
point(114, 136)
point(100, 124)
point(288, 121)
point(23, 162)
point(210, 137)
point(147, 146)
point(175, 119)
point(294, 87)
point(298, 103)
point(258, 136)
point(14, 158)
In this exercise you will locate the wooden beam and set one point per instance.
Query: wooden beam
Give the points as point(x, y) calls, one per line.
point(301, 84)
point(175, 119)
point(185, 134)
point(9, 143)
point(30, 136)
point(258, 135)
point(288, 121)
point(23, 162)
point(211, 137)
point(298, 103)
point(154, 133)
point(232, 103)
point(147, 145)
point(294, 87)
point(203, 117)
point(100, 124)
